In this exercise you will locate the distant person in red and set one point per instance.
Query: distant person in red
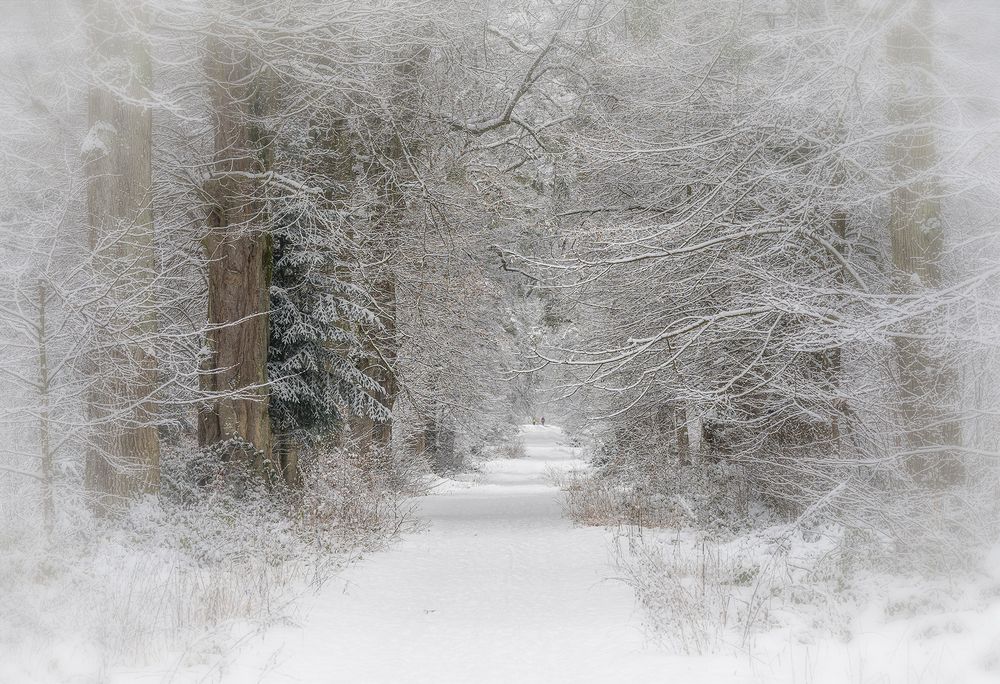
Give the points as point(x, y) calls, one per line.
point(543, 420)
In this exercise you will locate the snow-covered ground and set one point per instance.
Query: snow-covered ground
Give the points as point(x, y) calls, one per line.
point(498, 586)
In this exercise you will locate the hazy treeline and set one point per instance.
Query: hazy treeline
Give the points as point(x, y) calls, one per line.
point(258, 229)
point(757, 237)
point(778, 224)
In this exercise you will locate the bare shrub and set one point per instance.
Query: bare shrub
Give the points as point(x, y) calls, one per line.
point(354, 506)
point(700, 602)
point(512, 448)
point(653, 493)
point(707, 595)
point(907, 525)
point(506, 445)
point(217, 556)
point(592, 500)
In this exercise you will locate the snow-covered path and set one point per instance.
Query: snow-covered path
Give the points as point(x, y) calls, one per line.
point(500, 588)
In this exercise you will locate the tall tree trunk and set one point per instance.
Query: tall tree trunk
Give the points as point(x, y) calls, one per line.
point(682, 434)
point(238, 247)
point(927, 385)
point(390, 171)
point(287, 453)
point(124, 456)
point(831, 360)
point(384, 370)
point(44, 431)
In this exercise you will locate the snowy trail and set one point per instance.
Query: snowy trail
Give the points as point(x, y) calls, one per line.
point(500, 588)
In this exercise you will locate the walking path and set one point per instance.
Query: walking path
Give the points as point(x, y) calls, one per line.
point(499, 588)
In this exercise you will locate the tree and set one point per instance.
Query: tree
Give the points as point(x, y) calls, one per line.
point(931, 430)
point(124, 454)
point(316, 357)
point(718, 243)
point(238, 248)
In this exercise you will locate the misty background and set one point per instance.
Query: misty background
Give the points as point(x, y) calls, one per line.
point(278, 278)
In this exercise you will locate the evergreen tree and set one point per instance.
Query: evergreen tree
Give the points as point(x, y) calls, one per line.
point(315, 356)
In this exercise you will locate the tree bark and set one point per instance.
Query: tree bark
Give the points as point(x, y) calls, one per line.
point(123, 457)
point(44, 431)
point(238, 248)
point(682, 435)
point(832, 361)
point(931, 431)
point(288, 452)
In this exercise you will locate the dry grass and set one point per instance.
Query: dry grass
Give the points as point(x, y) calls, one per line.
point(699, 600)
point(190, 575)
point(594, 501)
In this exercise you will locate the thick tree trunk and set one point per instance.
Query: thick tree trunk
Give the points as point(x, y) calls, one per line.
point(927, 385)
point(437, 443)
point(238, 247)
point(124, 455)
point(670, 426)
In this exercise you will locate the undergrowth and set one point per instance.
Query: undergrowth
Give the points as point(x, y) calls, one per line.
point(217, 556)
point(715, 566)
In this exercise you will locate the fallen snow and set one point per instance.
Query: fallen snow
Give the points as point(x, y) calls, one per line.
point(499, 587)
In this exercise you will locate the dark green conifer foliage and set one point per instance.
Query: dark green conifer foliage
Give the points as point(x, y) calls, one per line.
point(315, 355)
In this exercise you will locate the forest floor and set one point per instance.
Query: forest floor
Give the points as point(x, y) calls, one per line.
point(496, 585)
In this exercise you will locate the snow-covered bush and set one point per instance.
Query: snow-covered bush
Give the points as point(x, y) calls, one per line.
point(507, 445)
point(789, 589)
point(218, 556)
point(699, 600)
point(711, 593)
point(344, 502)
point(646, 487)
point(593, 500)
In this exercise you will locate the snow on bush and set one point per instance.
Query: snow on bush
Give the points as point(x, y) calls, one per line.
point(793, 598)
point(908, 589)
point(184, 578)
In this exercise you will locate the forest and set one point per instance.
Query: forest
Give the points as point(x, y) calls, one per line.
point(553, 340)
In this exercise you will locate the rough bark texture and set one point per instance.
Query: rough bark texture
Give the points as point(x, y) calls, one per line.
point(927, 385)
point(124, 453)
point(238, 247)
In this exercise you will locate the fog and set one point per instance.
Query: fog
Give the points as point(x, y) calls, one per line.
point(661, 332)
